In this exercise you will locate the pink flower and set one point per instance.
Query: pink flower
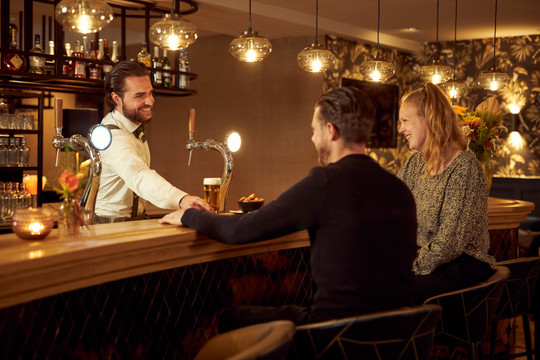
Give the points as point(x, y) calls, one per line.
point(69, 182)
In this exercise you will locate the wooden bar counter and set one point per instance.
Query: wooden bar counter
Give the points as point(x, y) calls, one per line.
point(31, 270)
point(144, 290)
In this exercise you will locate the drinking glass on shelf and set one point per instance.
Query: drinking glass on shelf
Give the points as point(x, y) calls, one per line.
point(28, 122)
point(12, 121)
point(4, 121)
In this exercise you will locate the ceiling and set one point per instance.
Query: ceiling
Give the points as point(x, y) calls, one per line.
point(405, 24)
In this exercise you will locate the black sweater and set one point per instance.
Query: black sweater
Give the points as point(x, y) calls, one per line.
point(362, 227)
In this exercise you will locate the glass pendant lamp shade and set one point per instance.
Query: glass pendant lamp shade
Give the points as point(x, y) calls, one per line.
point(493, 79)
point(173, 32)
point(454, 89)
point(437, 72)
point(377, 69)
point(84, 16)
point(315, 58)
point(250, 47)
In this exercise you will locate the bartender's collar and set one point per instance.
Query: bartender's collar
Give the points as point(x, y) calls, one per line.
point(128, 124)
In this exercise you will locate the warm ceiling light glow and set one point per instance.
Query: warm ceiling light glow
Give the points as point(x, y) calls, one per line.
point(84, 16)
point(494, 79)
point(250, 47)
point(454, 89)
point(315, 58)
point(438, 71)
point(377, 69)
point(173, 32)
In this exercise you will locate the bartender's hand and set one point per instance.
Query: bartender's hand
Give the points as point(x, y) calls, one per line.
point(190, 201)
point(174, 218)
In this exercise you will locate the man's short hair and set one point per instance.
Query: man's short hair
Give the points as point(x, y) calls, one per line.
point(350, 110)
point(116, 79)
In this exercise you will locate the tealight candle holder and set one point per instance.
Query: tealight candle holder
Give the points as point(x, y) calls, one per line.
point(32, 223)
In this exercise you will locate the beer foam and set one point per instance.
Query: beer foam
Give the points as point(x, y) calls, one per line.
point(212, 181)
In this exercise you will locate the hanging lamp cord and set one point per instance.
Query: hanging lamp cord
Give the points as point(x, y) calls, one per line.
point(250, 16)
point(437, 34)
point(455, 40)
point(378, 24)
point(495, 38)
point(172, 7)
point(316, 22)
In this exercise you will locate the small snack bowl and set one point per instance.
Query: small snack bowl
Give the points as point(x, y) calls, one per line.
point(248, 206)
point(32, 223)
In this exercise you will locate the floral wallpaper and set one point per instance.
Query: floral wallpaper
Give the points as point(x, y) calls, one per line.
point(517, 56)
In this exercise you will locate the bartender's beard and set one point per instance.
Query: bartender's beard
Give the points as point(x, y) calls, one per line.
point(324, 154)
point(135, 116)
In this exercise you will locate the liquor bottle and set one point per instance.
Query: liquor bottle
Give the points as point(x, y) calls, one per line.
point(114, 55)
point(156, 68)
point(144, 56)
point(183, 65)
point(12, 61)
point(24, 153)
point(37, 63)
point(50, 63)
point(86, 49)
point(79, 68)
point(106, 67)
point(4, 106)
point(67, 68)
point(166, 65)
point(99, 52)
point(93, 69)
point(12, 153)
point(3, 151)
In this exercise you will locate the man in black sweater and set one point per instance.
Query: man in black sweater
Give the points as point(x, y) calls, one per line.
point(360, 218)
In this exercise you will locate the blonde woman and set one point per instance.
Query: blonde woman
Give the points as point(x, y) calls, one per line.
point(450, 193)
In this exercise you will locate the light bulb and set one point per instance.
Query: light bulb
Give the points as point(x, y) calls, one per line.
point(315, 58)
point(84, 16)
point(493, 85)
point(514, 108)
point(173, 42)
point(515, 140)
point(173, 32)
point(233, 141)
point(376, 75)
point(250, 47)
point(377, 69)
point(436, 79)
point(453, 93)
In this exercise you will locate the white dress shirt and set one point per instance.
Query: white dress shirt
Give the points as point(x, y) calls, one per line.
point(126, 169)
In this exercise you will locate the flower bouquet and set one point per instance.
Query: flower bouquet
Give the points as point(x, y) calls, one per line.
point(71, 215)
point(483, 127)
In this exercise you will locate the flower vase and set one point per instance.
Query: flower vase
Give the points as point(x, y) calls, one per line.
point(488, 172)
point(68, 218)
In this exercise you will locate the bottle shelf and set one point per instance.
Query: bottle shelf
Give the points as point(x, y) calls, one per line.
point(19, 168)
point(18, 132)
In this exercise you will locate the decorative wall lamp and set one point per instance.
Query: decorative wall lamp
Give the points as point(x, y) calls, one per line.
point(377, 69)
point(453, 87)
point(438, 71)
point(316, 58)
point(250, 46)
point(173, 32)
point(84, 16)
point(494, 79)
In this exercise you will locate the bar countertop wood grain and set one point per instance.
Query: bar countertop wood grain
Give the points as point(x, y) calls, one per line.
point(32, 270)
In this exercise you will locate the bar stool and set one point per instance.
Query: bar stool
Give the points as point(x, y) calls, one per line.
point(266, 341)
point(468, 313)
point(405, 333)
point(517, 299)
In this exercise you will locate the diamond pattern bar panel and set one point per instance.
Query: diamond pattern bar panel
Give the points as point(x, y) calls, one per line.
point(163, 315)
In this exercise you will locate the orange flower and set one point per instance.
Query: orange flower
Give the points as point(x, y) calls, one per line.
point(69, 181)
point(460, 110)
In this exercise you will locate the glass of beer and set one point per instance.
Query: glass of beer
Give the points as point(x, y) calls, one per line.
point(212, 192)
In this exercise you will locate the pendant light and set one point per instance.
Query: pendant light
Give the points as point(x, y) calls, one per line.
point(453, 87)
point(250, 46)
point(316, 58)
point(438, 71)
point(377, 69)
point(173, 32)
point(84, 16)
point(494, 79)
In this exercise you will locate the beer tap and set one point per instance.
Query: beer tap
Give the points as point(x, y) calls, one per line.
point(99, 138)
point(232, 144)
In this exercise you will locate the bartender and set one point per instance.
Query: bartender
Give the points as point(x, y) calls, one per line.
point(127, 181)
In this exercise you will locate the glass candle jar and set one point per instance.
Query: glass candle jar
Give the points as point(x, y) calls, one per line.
point(32, 223)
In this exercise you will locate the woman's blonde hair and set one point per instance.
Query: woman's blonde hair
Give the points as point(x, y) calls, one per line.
point(442, 128)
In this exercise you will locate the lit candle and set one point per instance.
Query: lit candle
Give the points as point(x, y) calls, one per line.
point(36, 228)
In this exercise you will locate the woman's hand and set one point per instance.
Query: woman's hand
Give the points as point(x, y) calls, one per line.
point(174, 218)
